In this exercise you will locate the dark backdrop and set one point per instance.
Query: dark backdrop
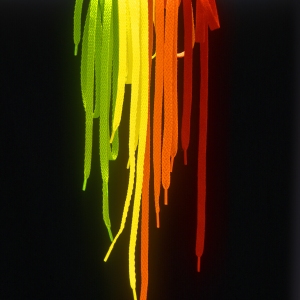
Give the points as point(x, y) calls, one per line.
point(53, 239)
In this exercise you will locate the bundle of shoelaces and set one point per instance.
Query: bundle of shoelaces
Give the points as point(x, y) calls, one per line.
point(117, 47)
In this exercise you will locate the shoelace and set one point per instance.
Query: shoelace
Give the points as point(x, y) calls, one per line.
point(189, 40)
point(168, 95)
point(206, 16)
point(144, 98)
point(122, 19)
point(87, 74)
point(115, 24)
point(145, 192)
point(174, 146)
point(105, 70)
point(158, 102)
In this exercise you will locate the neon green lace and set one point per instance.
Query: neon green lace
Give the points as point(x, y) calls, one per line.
point(99, 38)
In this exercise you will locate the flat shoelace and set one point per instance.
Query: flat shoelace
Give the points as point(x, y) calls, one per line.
point(105, 70)
point(122, 19)
point(116, 59)
point(77, 24)
point(206, 16)
point(188, 75)
point(158, 102)
point(87, 76)
point(174, 146)
point(168, 95)
point(144, 98)
point(146, 180)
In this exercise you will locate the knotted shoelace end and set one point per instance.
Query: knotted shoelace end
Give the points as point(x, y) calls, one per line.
point(198, 264)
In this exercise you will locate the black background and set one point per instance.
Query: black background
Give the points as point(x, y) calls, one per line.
point(53, 239)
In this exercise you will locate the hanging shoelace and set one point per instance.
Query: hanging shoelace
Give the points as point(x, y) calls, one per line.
point(168, 96)
point(146, 180)
point(96, 66)
point(117, 50)
point(158, 102)
point(207, 16)
point(189, 40)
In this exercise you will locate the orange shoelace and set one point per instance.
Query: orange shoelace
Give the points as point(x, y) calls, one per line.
point(158, 102)
point(169, 109)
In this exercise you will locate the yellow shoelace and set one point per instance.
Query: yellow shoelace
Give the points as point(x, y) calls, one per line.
point(146, 180)
point(139, 69)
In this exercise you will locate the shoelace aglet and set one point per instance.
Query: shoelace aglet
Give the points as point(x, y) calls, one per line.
point(134, 295)
point(185, 156)
point(157, 220)
point(110, 234)
point(110, 248)
point(84, 184)
point(76, 50)
point(112, 136)
point(166, 197)
point(198, 264)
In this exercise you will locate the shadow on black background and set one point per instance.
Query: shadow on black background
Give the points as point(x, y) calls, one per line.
point(53, 239)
